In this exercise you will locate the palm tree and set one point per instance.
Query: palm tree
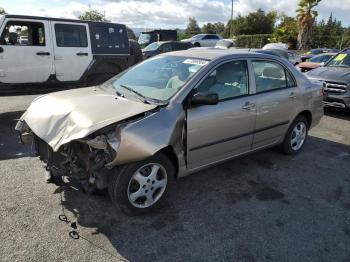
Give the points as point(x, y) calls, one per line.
point(306, 18)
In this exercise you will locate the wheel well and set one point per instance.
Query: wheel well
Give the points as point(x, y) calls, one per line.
point(169, 152)
point(307, 114)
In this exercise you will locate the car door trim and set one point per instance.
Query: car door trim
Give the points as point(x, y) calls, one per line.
point(239, 136)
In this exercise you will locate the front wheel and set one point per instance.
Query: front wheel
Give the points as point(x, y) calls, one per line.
point(139, 187)
point(296, 136)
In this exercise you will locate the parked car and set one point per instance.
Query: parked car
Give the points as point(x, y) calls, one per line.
point(205, 40)
point(315, 62)
point(152, 36)
point(280, 46)
point(336, 76)
point(294, 57)
point(168, 117)
point(157, 48)
point(317, 51)
point(61, 53)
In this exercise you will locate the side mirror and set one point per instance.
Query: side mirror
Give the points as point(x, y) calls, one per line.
point(205, 98)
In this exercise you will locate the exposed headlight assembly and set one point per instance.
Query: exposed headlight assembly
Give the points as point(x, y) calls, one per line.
point(103, 141)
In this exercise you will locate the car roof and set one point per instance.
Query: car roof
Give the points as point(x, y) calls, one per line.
point(216, 53)
point(56, 19)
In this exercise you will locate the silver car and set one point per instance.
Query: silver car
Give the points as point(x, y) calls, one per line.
point(168, 117)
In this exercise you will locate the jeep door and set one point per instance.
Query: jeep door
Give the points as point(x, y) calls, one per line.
point(217, 132)
point(277, 103)
point(72, 49)
point(25, 51)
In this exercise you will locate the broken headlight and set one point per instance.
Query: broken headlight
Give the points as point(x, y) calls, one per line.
point(105, 141)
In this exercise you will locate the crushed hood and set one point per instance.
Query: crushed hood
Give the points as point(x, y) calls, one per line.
point(61, 117)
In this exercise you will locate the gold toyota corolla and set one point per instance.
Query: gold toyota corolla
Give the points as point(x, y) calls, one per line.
point(170, 116)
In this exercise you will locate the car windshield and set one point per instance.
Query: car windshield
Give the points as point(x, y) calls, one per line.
point(144, 38)
point(320, 58)
point(340, 60)
point(158, 79)
point(152, 47)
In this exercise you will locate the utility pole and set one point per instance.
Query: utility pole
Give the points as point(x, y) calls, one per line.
point(231, 27)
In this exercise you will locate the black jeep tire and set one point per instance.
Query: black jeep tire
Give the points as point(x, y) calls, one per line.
point(123, 183)
point(135, 52)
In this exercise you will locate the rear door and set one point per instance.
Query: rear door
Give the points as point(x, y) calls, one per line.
point(218, 132)
point(277, 101)
point(72, 49)
point(25, 51)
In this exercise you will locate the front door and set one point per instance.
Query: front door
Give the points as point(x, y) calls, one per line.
point(72, 49)
point(25, 51)
point(276, 100)
point(218, 132)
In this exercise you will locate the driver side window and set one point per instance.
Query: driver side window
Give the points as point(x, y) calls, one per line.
point(229, 80)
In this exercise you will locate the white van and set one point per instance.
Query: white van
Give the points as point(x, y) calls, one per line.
point(50, 52)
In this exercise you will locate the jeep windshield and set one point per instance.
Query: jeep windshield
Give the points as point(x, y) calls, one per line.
point(144, 38)
point(156, 80)
point(340, 60)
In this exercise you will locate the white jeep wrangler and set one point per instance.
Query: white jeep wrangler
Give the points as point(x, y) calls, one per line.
point(41, 52)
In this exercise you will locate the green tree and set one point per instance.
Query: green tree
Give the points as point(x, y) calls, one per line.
point(93, 15)
point(192, 28)
point(131, 34)
point(220, 28)
point(2, 11)
point(306, 16)
point(209, 28)
point(286, 31)
point(327, 34)
point(254, 23)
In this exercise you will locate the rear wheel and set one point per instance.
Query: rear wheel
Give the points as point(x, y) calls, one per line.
point(139, 187)
point(196, 45)
point(296, 136)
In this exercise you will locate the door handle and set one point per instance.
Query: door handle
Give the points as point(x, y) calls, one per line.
point(43, 53)
point(292, 95)
point(82, 54)
point(248, 106)
point(1, 49)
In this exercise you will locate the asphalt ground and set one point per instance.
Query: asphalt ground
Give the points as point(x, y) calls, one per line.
point(262, 207)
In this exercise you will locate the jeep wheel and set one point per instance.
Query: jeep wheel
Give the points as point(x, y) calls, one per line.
point(296, 136)
point(139, 187)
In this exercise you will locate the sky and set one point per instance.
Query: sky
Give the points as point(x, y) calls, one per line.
point(168, 13)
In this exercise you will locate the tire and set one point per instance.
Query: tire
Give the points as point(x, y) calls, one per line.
point(135, 51)
point(197, 45)
point(129, 185)
point(291, 144)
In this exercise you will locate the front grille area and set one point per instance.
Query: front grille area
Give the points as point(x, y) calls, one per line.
point(335, 88)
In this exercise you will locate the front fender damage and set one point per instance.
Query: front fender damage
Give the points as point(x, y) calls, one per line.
point(90, 160)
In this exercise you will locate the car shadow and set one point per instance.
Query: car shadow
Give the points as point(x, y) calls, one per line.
point(247, 209)
point(10, 145)
point(340, 113)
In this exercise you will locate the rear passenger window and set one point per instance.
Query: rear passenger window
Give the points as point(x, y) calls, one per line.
point(228, 80)
point(271, 76)
point(70, 35)
point(108, 37)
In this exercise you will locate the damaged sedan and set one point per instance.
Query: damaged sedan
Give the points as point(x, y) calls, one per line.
point(168, 117)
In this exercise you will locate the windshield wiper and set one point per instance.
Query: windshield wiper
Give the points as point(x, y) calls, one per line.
point(140, 96)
